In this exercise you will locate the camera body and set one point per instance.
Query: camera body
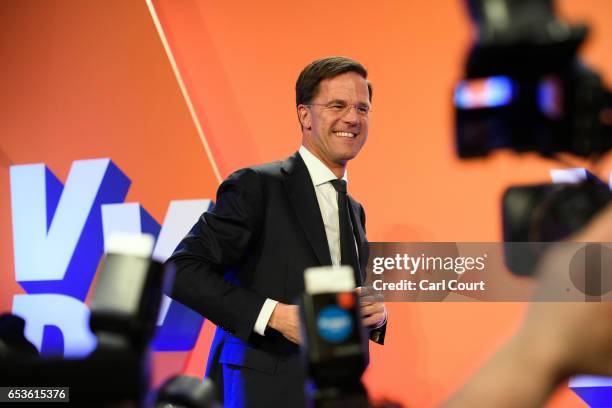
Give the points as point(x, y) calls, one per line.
point(336, 349)
point(526, 90)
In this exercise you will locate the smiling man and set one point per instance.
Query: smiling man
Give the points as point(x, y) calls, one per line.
point(241, 266)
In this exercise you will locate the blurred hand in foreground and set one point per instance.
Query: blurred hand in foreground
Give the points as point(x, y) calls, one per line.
point(556, 340)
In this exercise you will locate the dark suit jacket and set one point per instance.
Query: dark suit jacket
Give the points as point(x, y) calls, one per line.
point(264, 231)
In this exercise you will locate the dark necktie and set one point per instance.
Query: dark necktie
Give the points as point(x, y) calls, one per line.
point(348, 252)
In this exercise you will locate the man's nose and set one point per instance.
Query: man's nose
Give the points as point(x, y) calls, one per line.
point(351, 115)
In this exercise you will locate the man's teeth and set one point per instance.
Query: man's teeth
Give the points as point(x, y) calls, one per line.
point(344, 134)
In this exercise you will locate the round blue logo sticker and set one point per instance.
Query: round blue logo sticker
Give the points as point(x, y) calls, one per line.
point(335, 324)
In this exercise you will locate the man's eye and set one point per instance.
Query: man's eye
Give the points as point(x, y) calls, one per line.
point(336, 106)
point(363, 109)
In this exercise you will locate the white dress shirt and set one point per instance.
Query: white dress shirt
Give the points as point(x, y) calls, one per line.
point(327, 198)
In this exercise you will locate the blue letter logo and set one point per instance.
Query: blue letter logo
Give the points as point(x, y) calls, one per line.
point(335, 324)
point(58, 235)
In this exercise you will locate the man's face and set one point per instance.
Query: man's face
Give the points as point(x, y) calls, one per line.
point(335, 124)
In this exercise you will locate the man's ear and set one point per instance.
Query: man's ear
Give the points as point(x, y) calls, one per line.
point(305, 117)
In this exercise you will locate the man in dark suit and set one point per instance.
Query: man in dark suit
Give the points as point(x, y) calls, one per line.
point(241, 266)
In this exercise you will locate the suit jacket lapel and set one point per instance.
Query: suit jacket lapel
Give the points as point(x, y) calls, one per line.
point(303, 198)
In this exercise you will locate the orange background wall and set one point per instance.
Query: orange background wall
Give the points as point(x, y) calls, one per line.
point(93, 79)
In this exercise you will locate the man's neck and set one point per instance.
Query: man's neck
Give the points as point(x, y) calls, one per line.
point(336, 168)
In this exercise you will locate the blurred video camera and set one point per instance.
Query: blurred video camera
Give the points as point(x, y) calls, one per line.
point(526, 90)
point(336, 349)
point(124, 313)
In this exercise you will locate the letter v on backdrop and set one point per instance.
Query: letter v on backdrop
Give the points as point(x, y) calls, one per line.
point(58, 236)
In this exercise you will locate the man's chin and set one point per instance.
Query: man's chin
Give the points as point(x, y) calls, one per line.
point(344, 158)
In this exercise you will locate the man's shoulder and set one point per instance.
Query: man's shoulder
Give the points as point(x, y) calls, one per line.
point(272, 169)
point(261, 173)
point(267, 171)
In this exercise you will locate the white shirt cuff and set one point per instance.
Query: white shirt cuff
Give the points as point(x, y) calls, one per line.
point(264, 316)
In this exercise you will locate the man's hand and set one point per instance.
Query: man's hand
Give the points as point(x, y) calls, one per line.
point(578, 335)
point(286, 320)
point(556, 339)
point(373, 309)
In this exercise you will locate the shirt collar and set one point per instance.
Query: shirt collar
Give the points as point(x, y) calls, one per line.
point(319, 172)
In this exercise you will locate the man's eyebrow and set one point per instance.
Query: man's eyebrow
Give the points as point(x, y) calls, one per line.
point(343, 101)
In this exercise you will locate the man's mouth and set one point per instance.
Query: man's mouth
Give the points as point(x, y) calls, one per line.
point(345, 134)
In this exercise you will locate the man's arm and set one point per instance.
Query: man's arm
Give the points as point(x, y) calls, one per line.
point(519, 375)
point(555, 341)
point(373, 310)
point(219, 240)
